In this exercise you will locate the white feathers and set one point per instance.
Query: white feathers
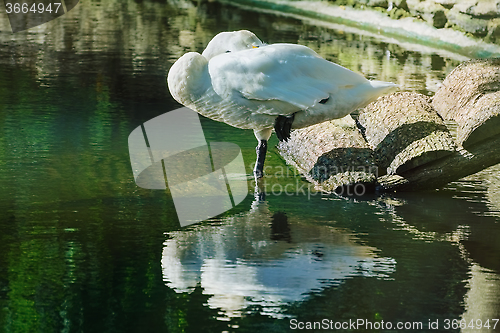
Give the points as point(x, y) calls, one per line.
point(247, 84)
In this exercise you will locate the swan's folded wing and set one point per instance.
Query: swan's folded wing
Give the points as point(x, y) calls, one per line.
point(293, 74)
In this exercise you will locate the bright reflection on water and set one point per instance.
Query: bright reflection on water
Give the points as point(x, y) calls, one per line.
point(82, 248)
point(265, 259)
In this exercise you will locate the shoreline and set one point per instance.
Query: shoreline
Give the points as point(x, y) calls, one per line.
point(406, 30)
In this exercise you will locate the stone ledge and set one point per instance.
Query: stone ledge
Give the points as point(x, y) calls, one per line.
point(378, 21)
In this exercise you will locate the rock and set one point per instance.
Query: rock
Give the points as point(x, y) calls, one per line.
point(400, 4)
point(484, 9)
point(470, 95)
point(376, 3)
point(404, 135)
point(448, 4)
point(332, 155)
point(493, 30)
point(432, 12)
point(405, 132)
point(465, 6)
point(436, 174)
point(467, 22)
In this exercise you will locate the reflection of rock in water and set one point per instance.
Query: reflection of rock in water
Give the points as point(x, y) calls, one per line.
point(482, 302)
point(258, 258)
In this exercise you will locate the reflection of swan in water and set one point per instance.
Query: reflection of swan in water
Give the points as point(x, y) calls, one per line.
point(257, 258)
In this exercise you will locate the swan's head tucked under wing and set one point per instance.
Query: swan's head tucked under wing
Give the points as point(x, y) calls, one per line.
point(231, 42)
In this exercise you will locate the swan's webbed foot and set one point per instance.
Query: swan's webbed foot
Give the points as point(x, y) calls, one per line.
point(261, 150)
point(283, 127)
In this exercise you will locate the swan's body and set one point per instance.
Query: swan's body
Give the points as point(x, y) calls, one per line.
point(240, 81)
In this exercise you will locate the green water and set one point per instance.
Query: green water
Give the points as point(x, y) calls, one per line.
point(84, 249)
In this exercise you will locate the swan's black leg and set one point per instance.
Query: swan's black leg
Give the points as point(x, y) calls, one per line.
point(283, 127)
point(260, 190)
point(261, 156)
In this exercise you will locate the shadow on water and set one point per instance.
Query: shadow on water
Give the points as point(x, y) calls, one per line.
point(82, 248)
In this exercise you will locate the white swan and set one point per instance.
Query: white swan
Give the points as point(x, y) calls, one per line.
point(245, 83)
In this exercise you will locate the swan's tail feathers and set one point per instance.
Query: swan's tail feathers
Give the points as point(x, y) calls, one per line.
point(383, 88)
point(372, 90)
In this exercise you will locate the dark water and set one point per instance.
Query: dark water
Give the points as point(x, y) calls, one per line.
point(84, 249)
